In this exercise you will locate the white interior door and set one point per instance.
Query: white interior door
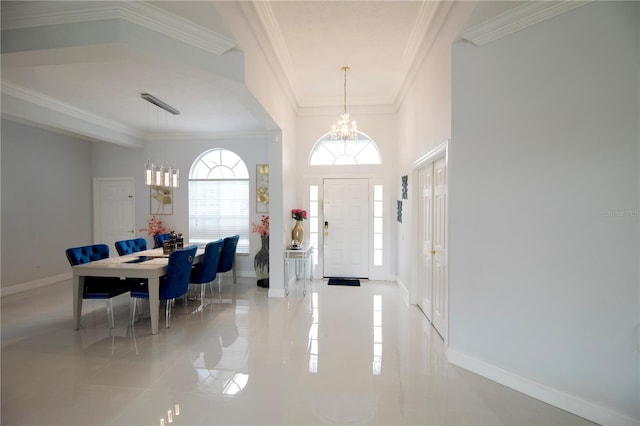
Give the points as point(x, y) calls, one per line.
point(425, 232)
point(346, 228)
point(433, 285)
point(440, 248)
point(113, 210)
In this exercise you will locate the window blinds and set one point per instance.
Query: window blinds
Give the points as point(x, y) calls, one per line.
point(218, 209)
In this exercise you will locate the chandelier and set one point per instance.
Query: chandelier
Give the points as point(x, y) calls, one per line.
point(345, 129)
point(155, 174)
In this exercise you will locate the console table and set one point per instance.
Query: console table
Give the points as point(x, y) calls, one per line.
point(303, 255)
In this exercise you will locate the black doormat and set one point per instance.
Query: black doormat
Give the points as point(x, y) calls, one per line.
point(343, 281)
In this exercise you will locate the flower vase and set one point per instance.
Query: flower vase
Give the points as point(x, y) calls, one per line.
point(261, 263)
point(297, 233)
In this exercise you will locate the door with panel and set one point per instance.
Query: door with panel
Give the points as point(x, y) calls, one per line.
point(440, 248)
point(346, 228)
point(113, 210)
point(425, 231)
point(433, 277)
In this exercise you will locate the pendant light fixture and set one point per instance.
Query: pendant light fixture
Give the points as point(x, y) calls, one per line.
point(345, 129)
point(155, 174)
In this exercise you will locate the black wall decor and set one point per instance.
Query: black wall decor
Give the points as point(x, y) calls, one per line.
point(400, 211)
point(405, 185)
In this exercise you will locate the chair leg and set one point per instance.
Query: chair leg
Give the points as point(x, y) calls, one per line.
point(167, 313)
point(110, 313)
point(133, 310)
point(220, 283)
point(203, 288)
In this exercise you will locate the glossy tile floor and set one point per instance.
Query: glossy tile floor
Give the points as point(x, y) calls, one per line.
point(339, 355)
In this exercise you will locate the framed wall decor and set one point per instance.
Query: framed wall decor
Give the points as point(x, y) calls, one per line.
point(399, 211)
point(262, 188)
point(405, 187)
point(160, 200)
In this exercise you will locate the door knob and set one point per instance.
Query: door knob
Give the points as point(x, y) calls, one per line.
point(131, 231)
point(433, 252)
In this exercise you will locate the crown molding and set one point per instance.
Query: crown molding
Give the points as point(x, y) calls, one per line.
point(272, 30)
point(420, 30)
point(28, 106)
point(518, 18)
point(208, 136)
point(355, 111)
point(269, 37)
point(30, 14)
point(432, 19)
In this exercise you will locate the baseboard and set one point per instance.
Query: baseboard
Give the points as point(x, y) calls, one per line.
point(571, 403)
point(30, 285)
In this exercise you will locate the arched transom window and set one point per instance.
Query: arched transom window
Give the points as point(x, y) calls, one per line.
point(328, 152)
point(219, 198)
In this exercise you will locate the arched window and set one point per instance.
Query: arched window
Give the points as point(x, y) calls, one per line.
point(328, 152)
point(219, 198)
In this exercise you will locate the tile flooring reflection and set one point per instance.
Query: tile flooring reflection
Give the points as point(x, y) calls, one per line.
point(339, 355)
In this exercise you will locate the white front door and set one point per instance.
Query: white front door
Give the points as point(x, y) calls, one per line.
point(345, 228)
point(113, 210)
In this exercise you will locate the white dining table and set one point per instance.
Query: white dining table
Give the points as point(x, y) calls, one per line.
point(153, 266)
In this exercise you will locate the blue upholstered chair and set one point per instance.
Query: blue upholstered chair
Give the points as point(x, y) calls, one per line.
point(204, 273)
point(227, 257)
point(99, 287)
point(159, 239)
point(130, 246)
point(174, 284)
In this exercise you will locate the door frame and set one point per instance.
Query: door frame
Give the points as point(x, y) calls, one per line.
point(369, 228)
point(436, 153)
point(384, 272)
point(97, 202)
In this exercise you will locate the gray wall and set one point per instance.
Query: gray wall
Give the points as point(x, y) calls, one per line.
point(544, 227)
point(114, 161)
point(46, 201)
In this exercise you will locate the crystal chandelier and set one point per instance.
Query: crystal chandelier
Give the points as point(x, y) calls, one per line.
point(155, 174)
point(345, 129)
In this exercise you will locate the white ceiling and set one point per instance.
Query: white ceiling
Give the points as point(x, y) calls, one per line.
point(84, 75)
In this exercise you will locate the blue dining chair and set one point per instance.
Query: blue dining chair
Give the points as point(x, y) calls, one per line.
point(99, 287)
point(204, 273)
point(227, 257)
point(172, 285)
point(130, 246)
point(159, 239)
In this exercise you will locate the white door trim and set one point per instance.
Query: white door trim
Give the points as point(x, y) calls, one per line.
point(97, 200)
point(356, 252)
point(438, 152)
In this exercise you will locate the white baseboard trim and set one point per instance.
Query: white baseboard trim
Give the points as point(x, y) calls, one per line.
point(30, 285)
point(571, 403)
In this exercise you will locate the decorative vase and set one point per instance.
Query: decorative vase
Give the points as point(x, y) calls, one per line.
point(261, 263)
point(297, 233)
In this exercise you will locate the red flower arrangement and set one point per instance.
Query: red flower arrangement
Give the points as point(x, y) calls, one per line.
point(299, 214)
point(262, 228)
point(155, 226)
